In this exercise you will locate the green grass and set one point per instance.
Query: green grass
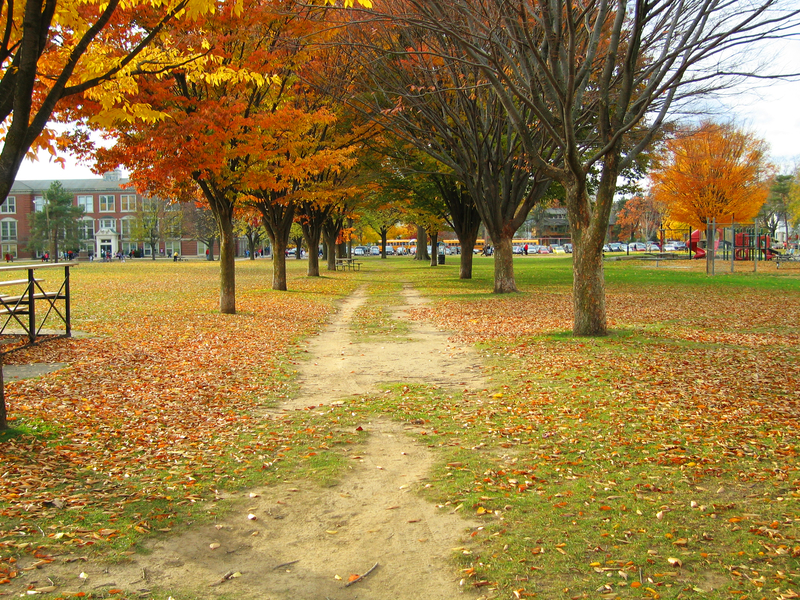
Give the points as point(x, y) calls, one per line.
point(657, 462)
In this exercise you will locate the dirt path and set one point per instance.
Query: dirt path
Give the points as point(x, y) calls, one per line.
point(306, 540)
point(344, 367)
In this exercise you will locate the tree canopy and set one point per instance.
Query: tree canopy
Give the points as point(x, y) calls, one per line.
point(713, 172)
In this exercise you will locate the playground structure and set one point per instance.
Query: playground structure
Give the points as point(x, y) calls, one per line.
point(734, 242)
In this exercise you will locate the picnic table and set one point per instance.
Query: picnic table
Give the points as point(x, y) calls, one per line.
point(791, 255)
point(20, 304)
point(349, 264)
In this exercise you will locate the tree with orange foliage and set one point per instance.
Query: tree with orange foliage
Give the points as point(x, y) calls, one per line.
point(640, 215)
point(712, 172)
point(233, 128)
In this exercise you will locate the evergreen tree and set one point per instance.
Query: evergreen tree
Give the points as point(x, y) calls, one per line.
point(55, 227)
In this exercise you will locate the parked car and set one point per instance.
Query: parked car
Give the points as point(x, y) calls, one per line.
point(653, 247)
point(615, 247)
point(375, 250)
point(516, 249)
point(389, 251)
point(568, 248)
point(557, 249)
point(637, 246)
point(544, 250)
point(359, 251)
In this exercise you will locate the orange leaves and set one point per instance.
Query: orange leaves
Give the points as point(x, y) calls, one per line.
point(713, 172)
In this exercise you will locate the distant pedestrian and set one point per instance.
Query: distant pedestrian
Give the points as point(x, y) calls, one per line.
point(526, 250)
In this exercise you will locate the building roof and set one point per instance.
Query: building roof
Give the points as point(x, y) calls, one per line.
point(110, 182)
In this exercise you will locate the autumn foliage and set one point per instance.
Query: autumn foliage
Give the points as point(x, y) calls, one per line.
point(712, 172)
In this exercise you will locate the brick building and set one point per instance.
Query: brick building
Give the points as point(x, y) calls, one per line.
point(110, 213)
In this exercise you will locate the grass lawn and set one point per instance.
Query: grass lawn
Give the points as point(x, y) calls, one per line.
point(657, 462)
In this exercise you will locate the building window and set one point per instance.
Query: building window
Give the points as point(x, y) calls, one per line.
point(172, 246)
point(10, 250)
point(8, 230)
point(38, 204)
point(125, 226)
point(108, 224)
point(130, 248)
point(127, 203)
point(148, 205)
point(9, 207)
point(86, 203)
point(106, 203)
point(86, 229)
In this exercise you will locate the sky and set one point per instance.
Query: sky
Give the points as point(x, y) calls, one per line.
point(770, 110)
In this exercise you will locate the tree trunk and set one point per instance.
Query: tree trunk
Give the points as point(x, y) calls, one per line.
point(330, 250)
point(312, 235)
point(504, 282)
point(422, 245)
point(589, 225)
point(467, 242)
point(329, 234)
point(588, 289)
point(384, 235)
point(279, 245)
point(227, 267)
point(434, 237)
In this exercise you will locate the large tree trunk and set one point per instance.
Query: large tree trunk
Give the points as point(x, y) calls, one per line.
point(279, 245)
point(588, 288)
point(329, 235)
point(384, 235)
point(312, 235)
point(504, 282)
point(227, 267)
point(422, 245)
point(589, 225)
point(277, 218)
point(434, 237)
point(467, 242)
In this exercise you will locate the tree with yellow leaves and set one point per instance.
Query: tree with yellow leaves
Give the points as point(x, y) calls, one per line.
point(57, 49)
point(712, 172)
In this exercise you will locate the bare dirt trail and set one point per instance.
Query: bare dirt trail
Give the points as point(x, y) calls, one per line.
point(344, 367)
point(301, 541)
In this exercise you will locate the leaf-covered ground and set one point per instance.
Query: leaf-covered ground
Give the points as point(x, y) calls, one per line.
point(157, 407)
point(659, 462)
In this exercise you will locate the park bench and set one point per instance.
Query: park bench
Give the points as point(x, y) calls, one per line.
point(21, 307)
point(790, 255)
point(350, 264)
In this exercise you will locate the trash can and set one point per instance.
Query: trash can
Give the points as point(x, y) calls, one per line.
point(441, 258)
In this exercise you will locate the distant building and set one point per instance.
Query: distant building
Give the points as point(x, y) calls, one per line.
point(554, 226)
point(110, 213)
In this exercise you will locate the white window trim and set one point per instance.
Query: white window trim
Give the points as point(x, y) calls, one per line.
point(100, 208)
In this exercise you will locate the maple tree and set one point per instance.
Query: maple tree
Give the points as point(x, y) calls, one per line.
point(640, 216)
point(57, 50)
point(234, 130)
point(712, 172)
point(598, 80)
